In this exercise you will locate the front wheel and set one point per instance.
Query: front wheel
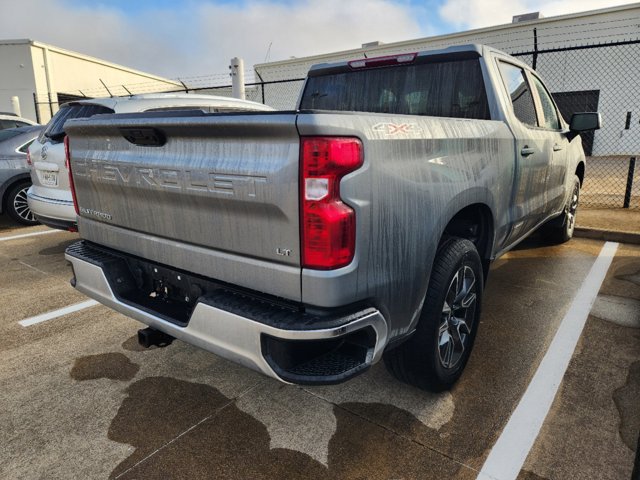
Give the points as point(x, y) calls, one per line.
point(560, 230)
point(435, 356)
point(17, 206)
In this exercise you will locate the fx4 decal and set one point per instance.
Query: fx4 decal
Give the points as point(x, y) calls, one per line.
point(391, 129)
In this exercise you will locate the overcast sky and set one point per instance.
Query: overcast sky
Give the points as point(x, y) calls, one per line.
point(198, 37)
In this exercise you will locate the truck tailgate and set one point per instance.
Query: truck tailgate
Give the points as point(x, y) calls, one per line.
point(222, 184)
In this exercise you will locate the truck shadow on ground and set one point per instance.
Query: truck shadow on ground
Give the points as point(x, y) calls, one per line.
point(57, 249)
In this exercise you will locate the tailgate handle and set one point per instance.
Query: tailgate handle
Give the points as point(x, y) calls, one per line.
point(144, 136)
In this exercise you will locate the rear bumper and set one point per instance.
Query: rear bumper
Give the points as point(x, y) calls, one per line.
point(51, 212)
point(281, 343)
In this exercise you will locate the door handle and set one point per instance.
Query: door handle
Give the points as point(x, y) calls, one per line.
point(557, 147)
point(526, 151)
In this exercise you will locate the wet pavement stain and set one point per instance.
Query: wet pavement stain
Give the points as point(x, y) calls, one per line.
point(626, 400)
point(114, 366)
point(361, 449)
point(198, 443)
point(527, 475)
point(188, 430)
point(624, 279)
point(619, 310)
point(635, 475)
point(633, 278)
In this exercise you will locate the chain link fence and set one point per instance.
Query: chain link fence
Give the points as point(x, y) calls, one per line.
point(599, 77)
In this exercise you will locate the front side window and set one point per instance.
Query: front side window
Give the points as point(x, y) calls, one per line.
point(551, 119)
point(521, 98)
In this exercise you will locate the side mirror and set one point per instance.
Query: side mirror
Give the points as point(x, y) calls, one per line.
point(583, 122)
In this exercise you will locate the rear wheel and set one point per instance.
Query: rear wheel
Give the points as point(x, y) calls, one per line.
point(560, 230)
point(436, 354)
point(16, 204)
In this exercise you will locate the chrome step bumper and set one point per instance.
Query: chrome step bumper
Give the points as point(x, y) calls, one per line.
point(244, 340)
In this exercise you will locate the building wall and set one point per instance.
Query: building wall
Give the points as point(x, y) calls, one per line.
point(24, 65)
point(17, 79)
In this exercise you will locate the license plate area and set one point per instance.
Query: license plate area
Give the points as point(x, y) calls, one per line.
point(48, 179)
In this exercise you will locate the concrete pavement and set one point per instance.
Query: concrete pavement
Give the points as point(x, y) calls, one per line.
point(80, 398)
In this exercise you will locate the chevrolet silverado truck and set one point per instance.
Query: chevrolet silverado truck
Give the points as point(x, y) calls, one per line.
point(309, 244)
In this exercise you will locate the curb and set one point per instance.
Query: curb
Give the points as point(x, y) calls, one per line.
point(607, 235)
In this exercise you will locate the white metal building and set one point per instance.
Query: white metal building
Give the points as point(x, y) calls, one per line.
point(593, 77)
point(42, 75)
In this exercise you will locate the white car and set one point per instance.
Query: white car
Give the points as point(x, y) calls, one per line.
point(11, 120)
point(49, 197)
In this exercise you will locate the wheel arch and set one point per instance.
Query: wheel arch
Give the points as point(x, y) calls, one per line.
point(580, 172)
point(475, 222)
point(8, 185)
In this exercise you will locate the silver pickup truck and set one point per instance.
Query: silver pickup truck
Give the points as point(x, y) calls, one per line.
point(310, 244)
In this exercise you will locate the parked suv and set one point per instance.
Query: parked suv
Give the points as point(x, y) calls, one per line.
point(14, 172)
point(50, 197)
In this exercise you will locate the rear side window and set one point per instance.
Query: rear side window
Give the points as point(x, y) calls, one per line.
point(7, 134)
point(452, 88)
point(10, 124)
point(55, 127)
point(519, 93)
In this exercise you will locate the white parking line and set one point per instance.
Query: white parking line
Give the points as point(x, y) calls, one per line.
point(510, 451)
point(27, 322)
point(25, 235)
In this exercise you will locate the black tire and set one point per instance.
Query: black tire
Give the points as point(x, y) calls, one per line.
point(560, 230)
point(419, 361)
point(16, 204)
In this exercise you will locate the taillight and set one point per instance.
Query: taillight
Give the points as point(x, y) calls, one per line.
point(29, 162)
point(67, 163)
point(328, 229)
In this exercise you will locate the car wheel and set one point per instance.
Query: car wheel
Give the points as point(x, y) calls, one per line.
point(434, 357)
point(560, 230)
point(16, 204)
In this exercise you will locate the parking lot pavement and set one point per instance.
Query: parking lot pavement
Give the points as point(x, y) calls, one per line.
point(594, 422)
point(80, 398)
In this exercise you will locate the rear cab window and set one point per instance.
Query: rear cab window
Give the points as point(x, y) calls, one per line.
point(442, 88)
point(55, 128)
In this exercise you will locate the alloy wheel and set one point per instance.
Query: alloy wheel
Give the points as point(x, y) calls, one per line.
point(457, 317)
point(573, 208)
point(21, 206)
